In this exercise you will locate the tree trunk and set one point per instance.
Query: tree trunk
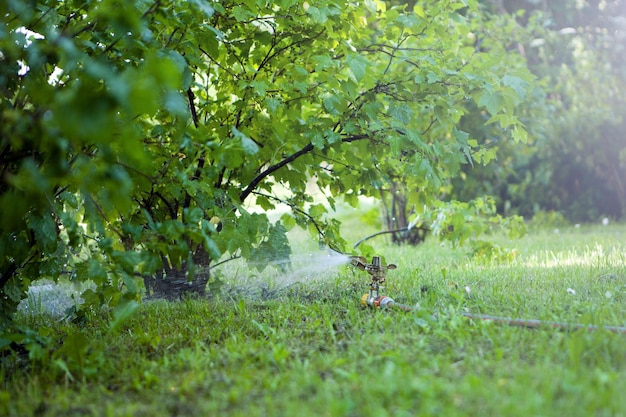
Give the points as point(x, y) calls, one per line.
point(172, 283)
point(396, 212)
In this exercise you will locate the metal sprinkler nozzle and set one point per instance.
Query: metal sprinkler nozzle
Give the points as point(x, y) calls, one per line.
point(378, 273)
point(376, 269)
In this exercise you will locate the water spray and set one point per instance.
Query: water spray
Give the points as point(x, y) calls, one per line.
point(378, 274)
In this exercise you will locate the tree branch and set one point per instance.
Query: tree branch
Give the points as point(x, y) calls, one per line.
point(294, 208)
point(192, 107)
point(400, 230)
point(297, 209)
point(232, 258)
point(201, 160)
point(270, 170)
point(257, 180)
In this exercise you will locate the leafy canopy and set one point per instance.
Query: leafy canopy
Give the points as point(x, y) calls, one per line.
point(132, 131)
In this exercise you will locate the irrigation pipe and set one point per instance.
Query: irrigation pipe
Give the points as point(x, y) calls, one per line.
point(533, 323)
point(386, 302)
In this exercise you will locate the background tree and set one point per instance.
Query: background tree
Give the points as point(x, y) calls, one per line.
point(135, 135)
point(493, 110)
point(575, 161)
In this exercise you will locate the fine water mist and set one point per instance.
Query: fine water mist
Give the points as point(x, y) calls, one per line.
point(52, 298)
point(49, 297)
point(316, 265)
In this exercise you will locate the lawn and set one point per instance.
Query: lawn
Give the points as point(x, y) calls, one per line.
point(299, 344)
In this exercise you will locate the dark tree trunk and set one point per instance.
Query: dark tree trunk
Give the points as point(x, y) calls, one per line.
point(172, 283)
point(396, 212)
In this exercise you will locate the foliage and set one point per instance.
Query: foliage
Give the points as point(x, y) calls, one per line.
point(498, 114)
point(315, 348)
point(548, 219)
point(137, 135)
point(574, 162)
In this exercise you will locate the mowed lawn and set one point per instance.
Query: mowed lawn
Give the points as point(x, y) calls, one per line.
point(268, 346)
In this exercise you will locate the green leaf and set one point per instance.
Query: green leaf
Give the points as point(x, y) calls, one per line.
point(260, 87)
point(45, 229)
point(121, 313)
point(322, 62)
point(242, 14)
point(211, 247)
point(519, 134)
point(402, 113)
point(317, 210)
point(264, 202)
point(176, 104)
point(493, 102)
point(516, 83)
point(357, 65)
point(432, 77)
point(318, 140)
point(247, 144)
point(204, 7)
point(504, 120)
point(288, 221)
point(316, 14)
point(332, 104)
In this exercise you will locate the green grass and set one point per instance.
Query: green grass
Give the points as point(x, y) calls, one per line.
point(310, 349)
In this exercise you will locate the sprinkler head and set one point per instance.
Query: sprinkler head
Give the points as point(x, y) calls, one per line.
point(378, 273)
point(376, 269)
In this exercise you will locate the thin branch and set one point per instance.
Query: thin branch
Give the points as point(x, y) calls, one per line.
point(33, 25)
point(400, 230)
point(225, 69)
point(169, 39)
point(135, 170)
point(299, 210)
point(354, 138)
point(13, 268)
point(201, 159)
point(430, 125)
point(104, 216)
point(232, 258)
point(172, 209)
point(272, 52)
point(334, 162)
point(151, 9)
point(270, 170)
point(192, 107)
point(112, 44)
point(293, 207)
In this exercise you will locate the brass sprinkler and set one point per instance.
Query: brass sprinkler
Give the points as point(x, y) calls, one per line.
point(378, 273)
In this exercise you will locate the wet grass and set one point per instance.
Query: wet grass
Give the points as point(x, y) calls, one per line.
point(310, 349)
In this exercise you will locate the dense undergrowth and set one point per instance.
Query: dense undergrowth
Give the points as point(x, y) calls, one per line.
point(308, 348)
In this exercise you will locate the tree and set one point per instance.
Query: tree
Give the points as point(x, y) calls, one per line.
point(136, 134)
point(496, 107)
point(575, 163)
